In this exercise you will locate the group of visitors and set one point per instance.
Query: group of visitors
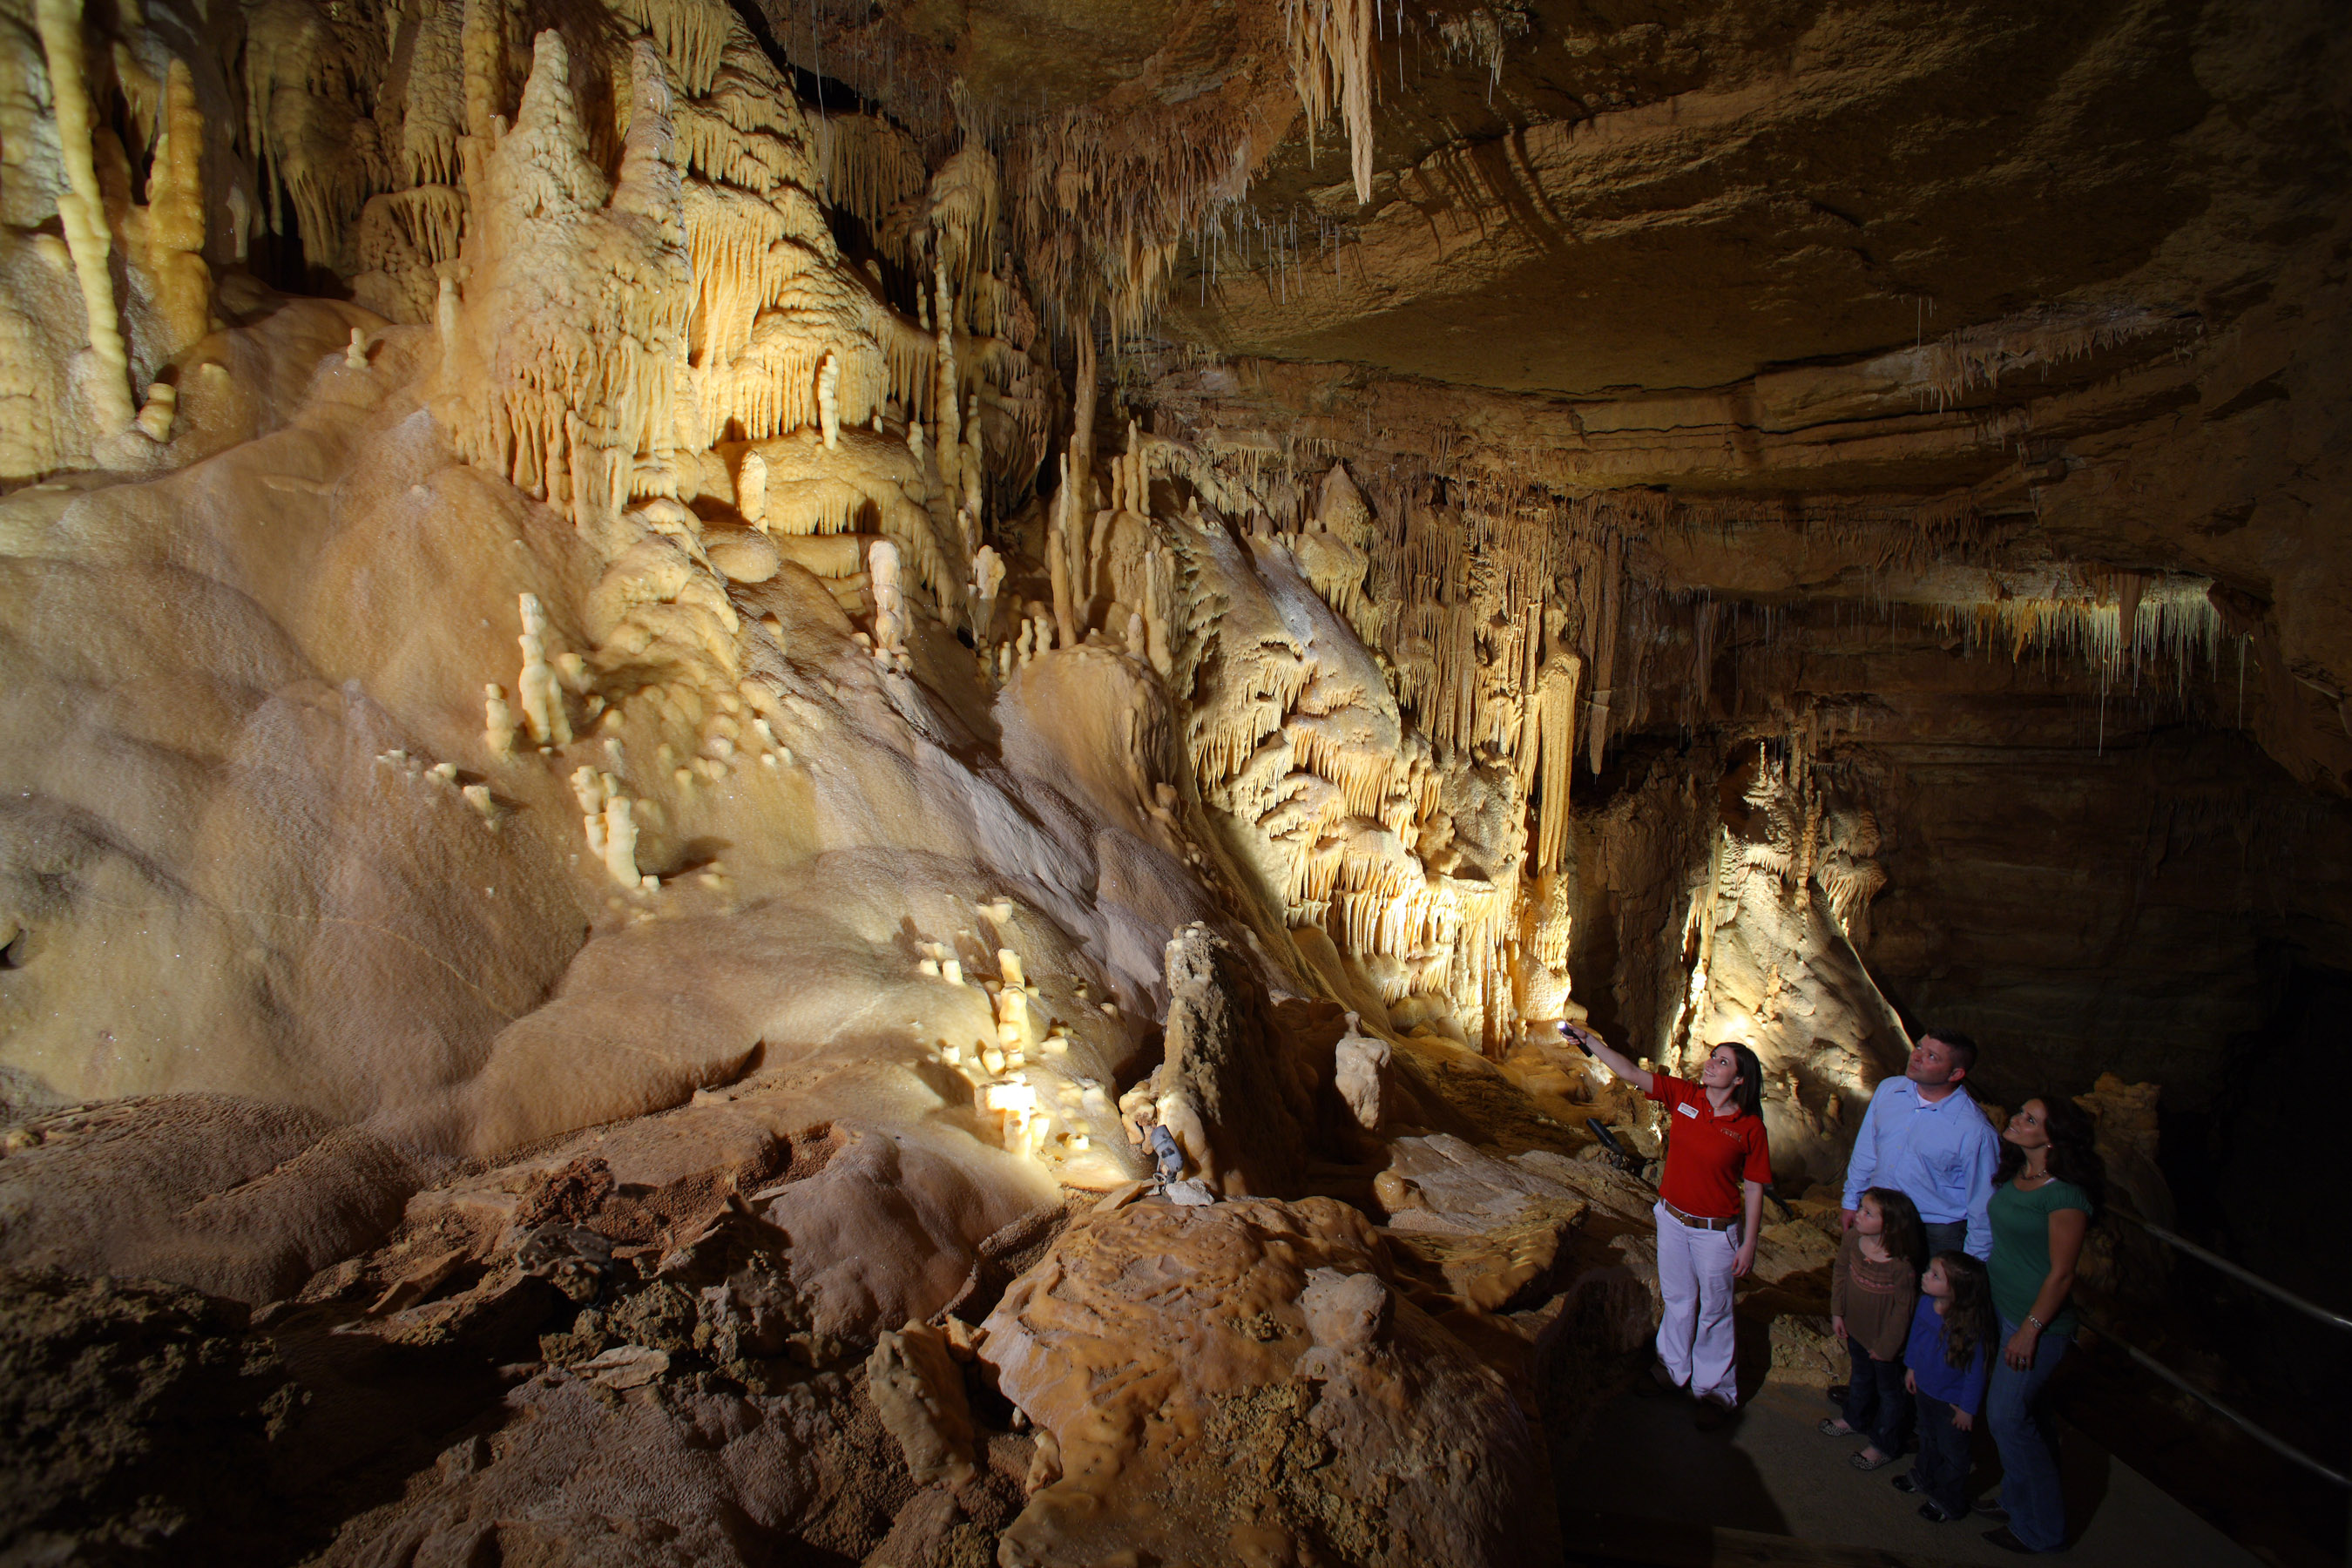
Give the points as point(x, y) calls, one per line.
point(1953, 1282)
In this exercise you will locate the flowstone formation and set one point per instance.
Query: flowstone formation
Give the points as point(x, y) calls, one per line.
point(821, 781)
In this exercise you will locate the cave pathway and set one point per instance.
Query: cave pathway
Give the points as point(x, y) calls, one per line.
point(1640, 1484)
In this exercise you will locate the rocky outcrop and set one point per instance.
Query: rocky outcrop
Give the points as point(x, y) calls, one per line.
point(141, 1423)
point(1241, 1382)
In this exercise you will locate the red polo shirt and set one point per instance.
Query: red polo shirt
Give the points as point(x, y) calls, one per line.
point(1707, 1155)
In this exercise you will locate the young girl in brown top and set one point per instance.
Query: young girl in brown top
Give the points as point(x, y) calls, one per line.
point(1873, 1287)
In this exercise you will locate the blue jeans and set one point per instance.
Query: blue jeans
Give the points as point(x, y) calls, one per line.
point(2020, 1419)
point(1941, 1471)
point(1875, 1402)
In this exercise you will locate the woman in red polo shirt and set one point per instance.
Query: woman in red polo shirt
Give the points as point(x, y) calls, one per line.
point(1710, 1204)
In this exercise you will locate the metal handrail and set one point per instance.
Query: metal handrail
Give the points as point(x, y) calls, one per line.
point(2244, 1275)
point(2276, 1444)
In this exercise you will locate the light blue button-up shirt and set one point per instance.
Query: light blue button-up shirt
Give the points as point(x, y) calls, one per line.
point(1939, 1155)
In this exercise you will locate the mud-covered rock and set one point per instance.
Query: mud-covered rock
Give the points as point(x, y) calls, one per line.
point(137, 1422)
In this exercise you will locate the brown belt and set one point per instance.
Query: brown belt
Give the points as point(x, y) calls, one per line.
point(1695, 1222)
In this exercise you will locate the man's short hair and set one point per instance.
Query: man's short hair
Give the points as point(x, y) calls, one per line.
point(1962, 1047)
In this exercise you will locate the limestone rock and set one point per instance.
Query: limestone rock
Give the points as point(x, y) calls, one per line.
point(230, 1195)
point(918, 1392)
point(1274, 1396)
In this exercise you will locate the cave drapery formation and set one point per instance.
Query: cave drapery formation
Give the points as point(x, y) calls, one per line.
point(665, 665)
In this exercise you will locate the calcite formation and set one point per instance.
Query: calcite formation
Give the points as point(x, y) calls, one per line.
point(855, 765)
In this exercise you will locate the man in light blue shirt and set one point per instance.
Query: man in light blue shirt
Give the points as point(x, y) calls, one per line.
point(1925, 1137)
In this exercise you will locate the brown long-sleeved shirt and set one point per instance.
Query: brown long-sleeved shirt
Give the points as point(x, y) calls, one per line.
point(1874, 1299)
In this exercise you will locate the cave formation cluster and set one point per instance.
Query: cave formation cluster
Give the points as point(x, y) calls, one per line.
point(666, 668)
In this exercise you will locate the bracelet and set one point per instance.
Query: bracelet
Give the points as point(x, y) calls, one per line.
point(2038, 1324)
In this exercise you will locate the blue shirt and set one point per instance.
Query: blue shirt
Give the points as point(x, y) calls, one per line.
point(1961, 1388)
point(1940, 1155)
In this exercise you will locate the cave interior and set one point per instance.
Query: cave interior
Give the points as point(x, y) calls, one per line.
point(670, 670)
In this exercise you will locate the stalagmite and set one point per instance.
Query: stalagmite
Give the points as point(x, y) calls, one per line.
point(1363, 1069)
point(355, 354)
point(889, 602)
point(1082, 425)
point(620, 841)
point(156, 414)
point(541, 695)
point(590, 789)
point(987, 577)
point(498, 721)
point(752, 489)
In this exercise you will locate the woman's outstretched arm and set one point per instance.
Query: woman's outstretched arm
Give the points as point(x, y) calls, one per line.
point(1610, 1057)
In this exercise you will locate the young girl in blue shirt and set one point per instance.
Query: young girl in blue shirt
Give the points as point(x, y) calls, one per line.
point(1948, 1361)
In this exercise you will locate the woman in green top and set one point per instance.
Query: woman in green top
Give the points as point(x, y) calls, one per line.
point(2044, 1191)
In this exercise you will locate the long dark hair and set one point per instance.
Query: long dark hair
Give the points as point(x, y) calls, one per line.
point(1969, 1322)
point(1747, 1094)
point(1902, 1233)
point(2073, 1157)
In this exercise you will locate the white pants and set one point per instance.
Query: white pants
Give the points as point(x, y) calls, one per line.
point(1694, 1336)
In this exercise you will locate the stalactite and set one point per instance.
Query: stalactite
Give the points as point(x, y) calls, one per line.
point(566, 407)
point(180, 284)
point(1553, 717)
point(1057, 554)
point(1331, 65)
point(948, 439)
point(1604, 642)
point(81, 210)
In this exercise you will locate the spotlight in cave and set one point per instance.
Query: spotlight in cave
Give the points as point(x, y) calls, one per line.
point(1307, 784)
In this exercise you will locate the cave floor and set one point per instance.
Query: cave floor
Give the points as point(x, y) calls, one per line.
point(1639, 1484)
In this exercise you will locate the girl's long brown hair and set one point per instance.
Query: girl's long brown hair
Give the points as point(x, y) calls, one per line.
point(1903, 1233)
point(1969, 1321)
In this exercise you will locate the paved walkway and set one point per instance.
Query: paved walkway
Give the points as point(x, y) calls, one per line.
point(1639, 1484)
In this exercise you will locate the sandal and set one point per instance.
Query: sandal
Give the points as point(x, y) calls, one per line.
point(1863, 1462)
point(1830, 1427)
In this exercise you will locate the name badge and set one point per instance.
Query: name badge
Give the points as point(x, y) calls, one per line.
point(1687, 1109)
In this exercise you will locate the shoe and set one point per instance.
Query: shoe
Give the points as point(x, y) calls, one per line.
point(1935, 1515)
point(1904, 1483)
point(1663, 1379)
point(2007, 1541)
point(1863, 1461)
point(1711, 1413)
point(1837, 1391)
point(1835, 1426)
point(1993, 1512)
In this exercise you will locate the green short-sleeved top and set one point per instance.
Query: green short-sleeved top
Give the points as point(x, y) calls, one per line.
point(2020, 1247)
